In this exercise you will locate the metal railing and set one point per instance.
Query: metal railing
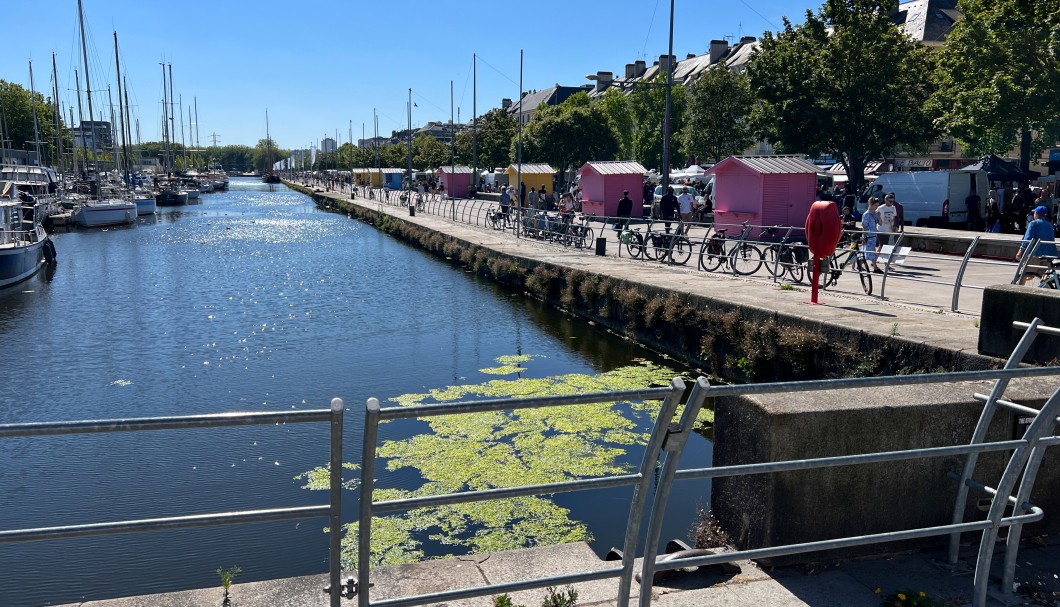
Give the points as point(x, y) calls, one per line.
point(667, 441)
point(332, 510)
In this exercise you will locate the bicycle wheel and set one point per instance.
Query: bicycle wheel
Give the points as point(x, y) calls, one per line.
point(491, 221)
point(585, 237)
point(658, 247)
point(831, 270)
point(711, 255)
point(682, 250)
point(795, 269)
point(635, 244)
point(865, 274)
point(745, 259)
point(774, 264)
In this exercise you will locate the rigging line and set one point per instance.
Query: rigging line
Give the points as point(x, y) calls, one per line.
point(497, 70)
point(759, 14)
point(650, 24)
point(422, 98)
point(467, 77)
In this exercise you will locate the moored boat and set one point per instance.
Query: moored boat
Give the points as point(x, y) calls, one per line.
point(24, 245)
point(145, 202)
point(109, 212)
point(171, 197)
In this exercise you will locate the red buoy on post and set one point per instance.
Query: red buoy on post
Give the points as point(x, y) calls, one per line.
point(823, 228)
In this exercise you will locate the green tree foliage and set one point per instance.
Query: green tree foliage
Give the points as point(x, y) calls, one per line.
point(847, 82)
point(16, 104)
point(462, 145)
point(428, 153)
point(616, 108)
point(395, 156)
point(266, 153)
point(999, 74)
point(569, 135)
point(717, 119)
point(496, 131)
point(648, 107)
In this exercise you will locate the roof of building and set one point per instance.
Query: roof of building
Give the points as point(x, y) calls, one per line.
point(776, 165)
point(927, 21)
point(553, 95)
point(532, 169)
point(458, 169)
point(617, 167)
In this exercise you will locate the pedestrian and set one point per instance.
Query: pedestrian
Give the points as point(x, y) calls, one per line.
point(522, 194)
point(972, 203)
point(870, 220)
point(684, 205)
point(542, 199)
point(1041, 228)
point(668, 207)
point(992, 216)
point(888, 218)
point(625, 209)
point(533, 198)
point(846, 217)
point(506, 200)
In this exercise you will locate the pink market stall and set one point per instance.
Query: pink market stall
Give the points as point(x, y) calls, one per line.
point(602, 184)
point(763, 190)
point(456, 179)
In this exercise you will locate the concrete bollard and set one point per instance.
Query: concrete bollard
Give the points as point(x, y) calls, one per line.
point(601, 246)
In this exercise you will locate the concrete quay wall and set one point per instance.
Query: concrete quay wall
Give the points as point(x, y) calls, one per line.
point(750, 332)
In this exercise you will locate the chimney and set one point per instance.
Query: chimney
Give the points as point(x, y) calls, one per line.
point(603, 80)
point(524, 94)
point(690, 56)
point(718, 49)
point(639, 67)
point(506, 103)
point(667, 62)
point(747, 39)
point(630, 71)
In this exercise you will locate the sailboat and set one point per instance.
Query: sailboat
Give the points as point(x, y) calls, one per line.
point(102, 208)
point(269, 176)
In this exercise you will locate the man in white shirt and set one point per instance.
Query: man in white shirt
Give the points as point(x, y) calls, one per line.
point(684, 205)
point(888, 214)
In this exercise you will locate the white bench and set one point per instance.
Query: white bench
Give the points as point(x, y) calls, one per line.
point(887, 254)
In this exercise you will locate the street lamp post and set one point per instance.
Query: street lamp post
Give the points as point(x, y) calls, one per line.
point(666, 117)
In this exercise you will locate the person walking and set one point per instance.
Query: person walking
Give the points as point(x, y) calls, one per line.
point(625, 209)
point(1041, 228)
point(870, 220)
point(684, 205)
point(668, 207)
point(992, 216)
point(888, 218)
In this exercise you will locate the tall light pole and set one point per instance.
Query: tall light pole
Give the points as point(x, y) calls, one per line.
point(666, 116)
point(410, 145)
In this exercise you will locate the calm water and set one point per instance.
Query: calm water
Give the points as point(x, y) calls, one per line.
point(251, 300)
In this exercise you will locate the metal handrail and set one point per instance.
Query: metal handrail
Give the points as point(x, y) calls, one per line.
point(668, 439)
point(332, 510)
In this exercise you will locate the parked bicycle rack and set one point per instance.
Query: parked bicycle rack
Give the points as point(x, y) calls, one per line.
point(667, 442)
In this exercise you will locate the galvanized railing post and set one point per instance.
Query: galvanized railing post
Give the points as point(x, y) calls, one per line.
point(979, 434)
point(960, 274)
point(364, 524)
point(641, 489)
point(673, 445)
point(887, 266)
point(335, 516)
point(1021, 267)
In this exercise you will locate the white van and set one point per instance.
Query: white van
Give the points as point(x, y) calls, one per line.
point(931, 198)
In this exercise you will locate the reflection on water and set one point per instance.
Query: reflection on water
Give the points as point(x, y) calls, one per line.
point(251, 300)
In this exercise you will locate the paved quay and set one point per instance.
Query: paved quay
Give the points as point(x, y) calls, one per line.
point(849, 583)
point(916, 310)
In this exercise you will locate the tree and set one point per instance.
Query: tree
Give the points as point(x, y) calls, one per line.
point(616, 108)
point(648, 108)
point(266, 153)
point(16, 112)
point(717, 118)
point(569, 135)
point(998, 76)
point(816, 94)
point(462, 145)
point(496, 130)
point(428, 153)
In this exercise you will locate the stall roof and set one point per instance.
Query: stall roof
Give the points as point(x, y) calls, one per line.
point(455, 169)
point(781, 165)
point(999, 169)
point(533, 169)
point(617, 167)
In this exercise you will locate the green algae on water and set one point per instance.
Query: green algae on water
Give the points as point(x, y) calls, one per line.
point(500, 449)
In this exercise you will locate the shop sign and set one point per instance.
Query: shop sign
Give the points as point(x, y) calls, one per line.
point(913, 163)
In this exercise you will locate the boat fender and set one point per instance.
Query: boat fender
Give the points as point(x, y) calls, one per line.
point(49, 252)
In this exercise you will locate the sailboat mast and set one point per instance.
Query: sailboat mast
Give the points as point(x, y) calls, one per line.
point(33, 103)
point(110, 100)
point(183, 145)
point(121, 113)
point(268, 145)
point(57, 118)
point(172, 120)
point(128, 120)
point(165, 122)
point(197, 144)
point(81, 128)
point(88, 86)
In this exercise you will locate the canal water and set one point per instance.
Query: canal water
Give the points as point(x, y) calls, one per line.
point(251, 300)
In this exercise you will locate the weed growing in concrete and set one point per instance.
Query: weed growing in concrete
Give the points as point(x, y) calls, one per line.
point(227, 575)
point(787, 286)
point(567, 597)
point(908, 598)
point(707, 533)
point(894, 329)
point(976, 323)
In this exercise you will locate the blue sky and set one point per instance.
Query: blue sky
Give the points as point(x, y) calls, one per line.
point(318, 65)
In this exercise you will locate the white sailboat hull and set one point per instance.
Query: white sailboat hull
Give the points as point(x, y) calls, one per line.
point(100, 213)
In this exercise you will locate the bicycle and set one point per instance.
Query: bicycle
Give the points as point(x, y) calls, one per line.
point(498, 219)
point(581, 233)
point(675, 247)
point(783, 257)
point(634, 240)
point(1051, 278)
point(852, 254)
point(743, 258)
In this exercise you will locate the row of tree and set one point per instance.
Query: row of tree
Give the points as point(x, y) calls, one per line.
point(847, 83)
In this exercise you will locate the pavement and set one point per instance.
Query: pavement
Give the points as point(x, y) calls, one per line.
point(848, 583)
